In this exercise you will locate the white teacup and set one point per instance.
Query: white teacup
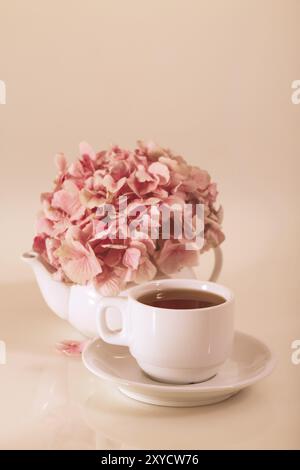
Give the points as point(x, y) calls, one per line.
point(172, 345)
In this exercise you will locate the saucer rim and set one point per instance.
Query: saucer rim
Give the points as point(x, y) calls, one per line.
point(203, 387)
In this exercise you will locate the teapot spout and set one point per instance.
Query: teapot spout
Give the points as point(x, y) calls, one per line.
point(30, 257)
point(56, 294)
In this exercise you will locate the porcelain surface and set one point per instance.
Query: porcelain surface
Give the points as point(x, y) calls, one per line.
point(79, 304)
point(250, 361)
point(173, 345)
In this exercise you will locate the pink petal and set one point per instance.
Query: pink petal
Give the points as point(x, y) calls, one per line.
point(176, 200)
point(142, 188)
point(49, 211)
point(220, 215)
point(112, 258)
point(60, 227)
point(86, 150)
point(51, 246)
point(151, 148)
point(213, 238)
point(97, 181)
point(44, 225)
point(90, 200)
point(119, 170)
point(71, 347)
point(174, 256)
point(145, 272)
point(142, 175)
point(160, 170)
point(73, 233)
point(177, 164)
point(212, 191)
point(145, 245)
point(131, 258)
point(61, 162)
point(160, 193)
point(72, 249)
point(83, 270)
point(78, 263)
point(39, 244)
point(110, 282)
point(201, 177)
point(76, 170)
point(111, 185)
point(67, 199)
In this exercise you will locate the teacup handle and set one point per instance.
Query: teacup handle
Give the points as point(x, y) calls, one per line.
point(119, 337)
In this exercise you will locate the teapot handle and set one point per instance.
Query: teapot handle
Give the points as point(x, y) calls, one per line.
point(218, 263)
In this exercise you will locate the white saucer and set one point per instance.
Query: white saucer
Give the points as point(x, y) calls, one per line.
point(250, 361)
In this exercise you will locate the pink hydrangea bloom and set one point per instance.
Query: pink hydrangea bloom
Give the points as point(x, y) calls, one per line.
point(72, 237)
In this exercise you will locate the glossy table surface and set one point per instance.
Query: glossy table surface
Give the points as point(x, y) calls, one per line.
point(49, 401)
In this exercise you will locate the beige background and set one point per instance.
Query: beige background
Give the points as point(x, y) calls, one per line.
point(210, 78)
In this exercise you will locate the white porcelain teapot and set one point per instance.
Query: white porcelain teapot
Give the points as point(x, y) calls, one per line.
point(79, 304)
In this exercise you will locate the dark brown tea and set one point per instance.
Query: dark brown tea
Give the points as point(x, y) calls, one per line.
point(181, 299)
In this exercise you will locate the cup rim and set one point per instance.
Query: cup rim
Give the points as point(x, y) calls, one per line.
point(133, 292)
